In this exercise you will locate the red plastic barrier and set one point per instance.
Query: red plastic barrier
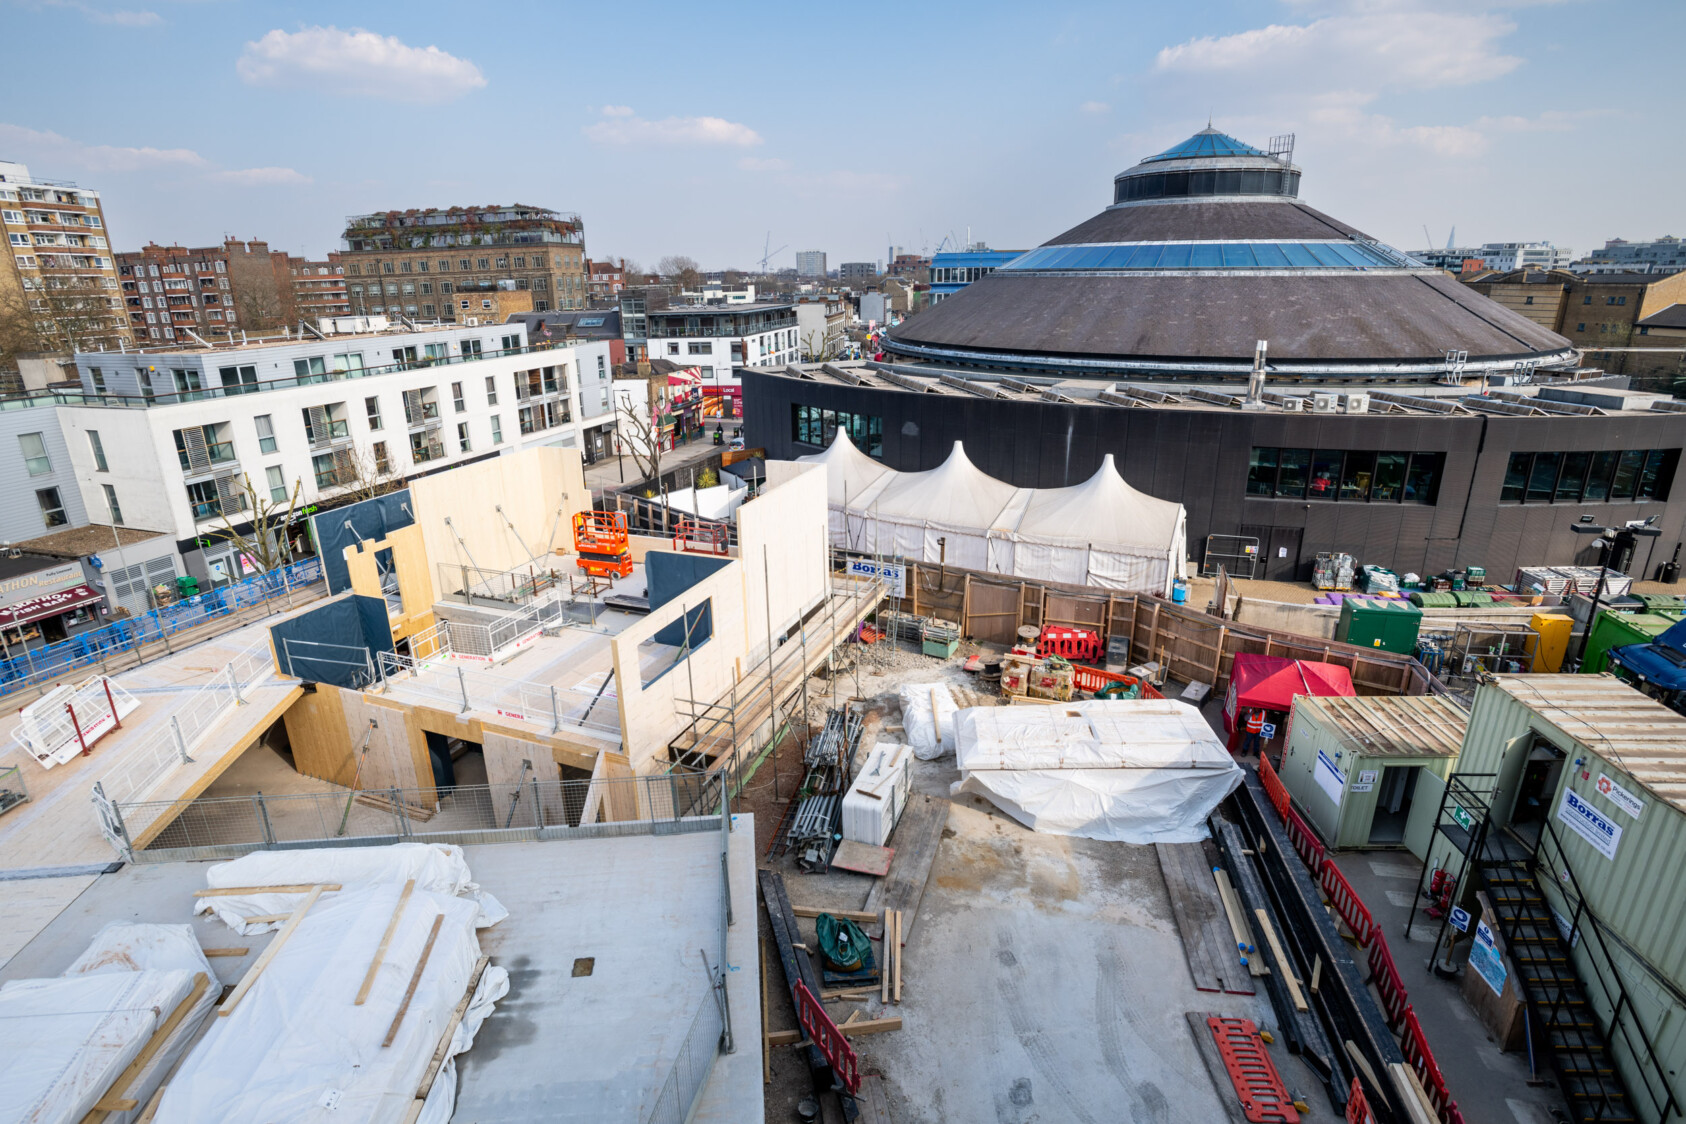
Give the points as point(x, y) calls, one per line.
point(1274, 787)
point(1092, 679)
point(1068, 643)
point(1346, 902)
point(1385, 975)
point(1305, 842)
point(828, 1038)
point(1419, 1057)
point(1357, 1108)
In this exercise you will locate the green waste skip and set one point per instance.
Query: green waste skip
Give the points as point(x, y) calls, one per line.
point(845, 947)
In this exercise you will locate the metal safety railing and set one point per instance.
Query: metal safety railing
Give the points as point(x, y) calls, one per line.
point(155, 755)
point(35, 667)
point(497, 639)
point(441, 679)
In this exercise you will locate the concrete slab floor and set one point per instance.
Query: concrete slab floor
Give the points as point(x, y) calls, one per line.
point(1488, 1085)
point(559, 1047)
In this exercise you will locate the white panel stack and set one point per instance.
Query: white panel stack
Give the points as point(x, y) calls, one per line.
point(875, 801)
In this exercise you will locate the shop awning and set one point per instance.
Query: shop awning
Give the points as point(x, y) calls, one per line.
point(49, 606)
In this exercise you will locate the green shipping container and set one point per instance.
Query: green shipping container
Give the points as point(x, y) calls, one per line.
point(1617, 630)
point(1374, 623)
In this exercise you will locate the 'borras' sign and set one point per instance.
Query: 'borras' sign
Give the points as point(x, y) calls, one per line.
point(1590, 824)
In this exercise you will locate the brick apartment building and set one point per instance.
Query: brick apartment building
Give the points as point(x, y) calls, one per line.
point(170, 291)
point(605, 280)
point(423, 263)
point(314, 289)
point(1599, 313)
point(59, 266)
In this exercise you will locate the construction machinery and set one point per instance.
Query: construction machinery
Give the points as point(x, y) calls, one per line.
point(600, 542)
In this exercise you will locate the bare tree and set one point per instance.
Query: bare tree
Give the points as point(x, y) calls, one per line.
point(67, 311)
point(684, 270)
point(267, 545)
point(18, 334)
point(640, 433)
point(260, 308)
point(823, 346)
point(364, 476)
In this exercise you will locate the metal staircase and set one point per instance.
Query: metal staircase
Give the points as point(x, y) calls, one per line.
point(1563, 1005)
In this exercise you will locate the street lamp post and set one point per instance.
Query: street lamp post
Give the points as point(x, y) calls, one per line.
point(1611, 540)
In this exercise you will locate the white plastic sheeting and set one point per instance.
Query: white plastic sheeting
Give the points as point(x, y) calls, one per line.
point(437, 867)
point(1133, 771)
point(297, 1048)
point(878, 795)
point(64, 1041)
point(1101, 532)
point(928, 712)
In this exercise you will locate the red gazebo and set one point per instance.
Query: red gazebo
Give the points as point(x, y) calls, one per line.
point(1271, 682)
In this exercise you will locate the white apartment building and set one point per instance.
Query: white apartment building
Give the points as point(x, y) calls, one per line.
point(810, 263)
point(720, 339)
point(1505, 257)
point(171, 436)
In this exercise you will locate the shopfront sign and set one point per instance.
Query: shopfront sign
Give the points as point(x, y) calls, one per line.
point(25, 587)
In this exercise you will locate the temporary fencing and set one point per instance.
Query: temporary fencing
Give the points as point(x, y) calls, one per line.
point(1384, 974)
point(36, 666)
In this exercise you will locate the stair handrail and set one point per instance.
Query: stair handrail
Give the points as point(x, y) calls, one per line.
point(1582, 910)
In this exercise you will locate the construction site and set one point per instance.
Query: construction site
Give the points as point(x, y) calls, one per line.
point(521, 815)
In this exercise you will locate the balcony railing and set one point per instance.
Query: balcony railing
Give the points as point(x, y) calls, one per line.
point(220, 453)
point(170, 398)
point(213, 509)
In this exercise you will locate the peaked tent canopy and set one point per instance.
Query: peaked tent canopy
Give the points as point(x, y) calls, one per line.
point(1270, 683)
point(1101, 532)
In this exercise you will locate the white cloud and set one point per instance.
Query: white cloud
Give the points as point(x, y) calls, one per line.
point(1399, 44)
point(621, 126)
point(262, 177)
point(1095, 107)
point(115, 17)
point(47, 146)
point(56, 151)
point(357, 62)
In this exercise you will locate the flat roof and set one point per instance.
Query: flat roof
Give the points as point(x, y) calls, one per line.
point(79, 542)
point(1640, 735)
point(560, 1045)
point(1393, 725)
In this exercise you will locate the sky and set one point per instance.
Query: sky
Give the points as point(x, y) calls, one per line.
point(721, 132)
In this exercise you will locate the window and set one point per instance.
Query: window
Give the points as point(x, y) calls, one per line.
point(471, 349)
point(444, 265)
point(1581, 326)
point(98, 377)
point(314, 369)
point(405, 266)
point(348, 362)
point(673, 348)
point(510, 343)
point(35, 458)
point(238, 380)
point(277, 484)
point(491, 391)
point(1589, 477)
point(703, 347)
point(266, 433)
point(497, 430)
point(482, 263)
point(112, 505)
point(813, 425)
point(457, 402)
point(372, 407)
point(462, 437)
point(1528, 300)
point(1353, 477)
point(325, 466)
point(382, 464)
point(98, 449)
point(52, 508)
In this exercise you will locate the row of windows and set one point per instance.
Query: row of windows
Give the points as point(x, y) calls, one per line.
point(1633, 474)
point(1345, 475)
point(421, 265)
point(1164, 185)
point(812, 425)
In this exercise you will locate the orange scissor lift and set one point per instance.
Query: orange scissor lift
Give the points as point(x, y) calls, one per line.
point(600, 541)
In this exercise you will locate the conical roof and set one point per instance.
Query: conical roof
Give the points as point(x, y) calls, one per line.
point(956, 492)
point(1207, 142)
point(1102, 509)
point(848, 471)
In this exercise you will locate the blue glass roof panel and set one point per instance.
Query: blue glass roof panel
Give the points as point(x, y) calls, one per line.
point(1175, 256)
point(1207, 255)
point(1270, 255)
point(1207, 142)
point(1239, 254)
point(1298, 256)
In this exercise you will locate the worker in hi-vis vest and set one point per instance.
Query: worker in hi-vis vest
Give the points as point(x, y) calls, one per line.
point(1255, 733)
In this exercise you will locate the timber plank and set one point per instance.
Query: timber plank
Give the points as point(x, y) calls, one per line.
point(114, 1099)
point(917, 837)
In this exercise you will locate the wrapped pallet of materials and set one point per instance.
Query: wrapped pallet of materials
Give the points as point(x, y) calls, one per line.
point(928, 719)
point(1132, 771)
point(66, 1043)
point(875, 801)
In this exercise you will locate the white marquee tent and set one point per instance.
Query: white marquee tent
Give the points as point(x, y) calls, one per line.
point(1100, 532)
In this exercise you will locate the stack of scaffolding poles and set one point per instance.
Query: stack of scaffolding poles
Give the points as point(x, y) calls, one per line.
point(1269, 876)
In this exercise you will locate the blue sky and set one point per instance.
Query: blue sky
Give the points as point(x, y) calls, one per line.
point(699, 128)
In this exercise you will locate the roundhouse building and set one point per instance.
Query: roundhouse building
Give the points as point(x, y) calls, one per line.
point(1402, 417)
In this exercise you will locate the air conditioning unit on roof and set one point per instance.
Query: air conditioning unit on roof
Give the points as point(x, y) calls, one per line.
point(1357, 403)
point(1324, 403)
